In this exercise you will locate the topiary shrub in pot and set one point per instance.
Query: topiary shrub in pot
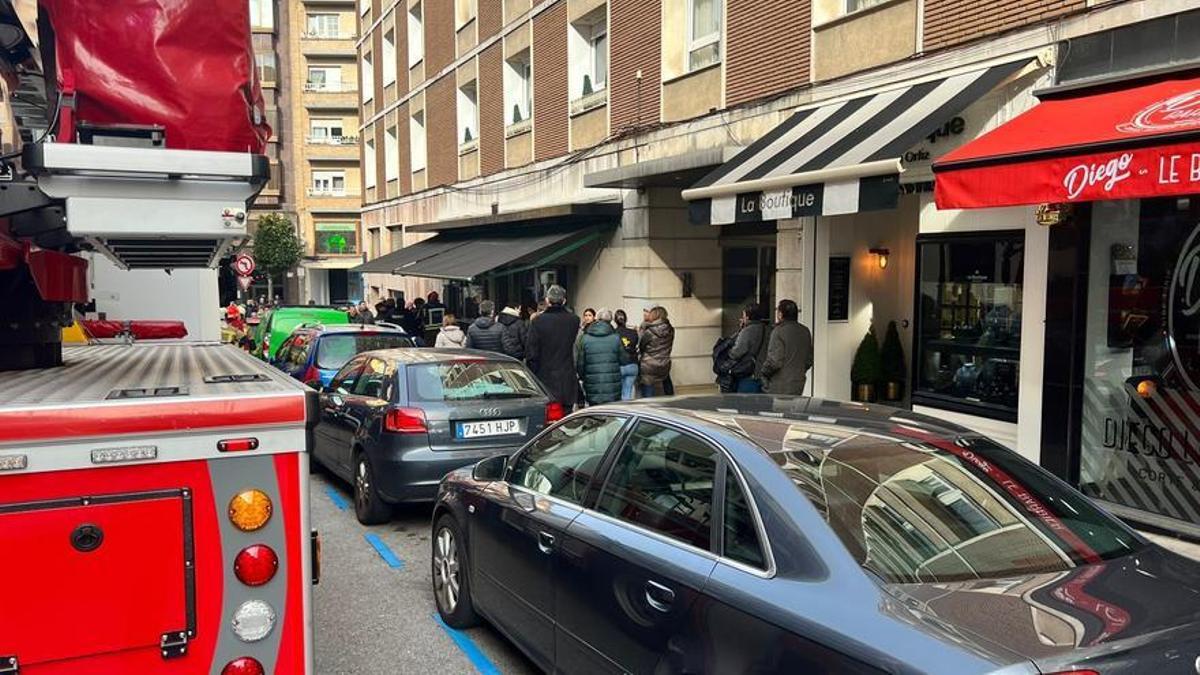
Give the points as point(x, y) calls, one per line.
point(867, 369)
point(894, 371)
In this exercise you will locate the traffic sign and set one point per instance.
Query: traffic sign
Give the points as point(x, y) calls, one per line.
point(244, 281)
point(243, 265)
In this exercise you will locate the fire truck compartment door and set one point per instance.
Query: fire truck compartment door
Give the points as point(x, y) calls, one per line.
point(93, 575)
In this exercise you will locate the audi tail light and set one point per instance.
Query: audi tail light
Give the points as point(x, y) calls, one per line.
point(256, 565)
point(554, 412)
point(405, 421)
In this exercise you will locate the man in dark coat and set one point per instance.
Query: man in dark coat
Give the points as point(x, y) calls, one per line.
point(550, 351)
point(485, 333)
point(515, 332)
point(598, 360)
point(789, 353)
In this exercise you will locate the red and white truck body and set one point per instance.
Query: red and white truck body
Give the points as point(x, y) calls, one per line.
point(154, 514)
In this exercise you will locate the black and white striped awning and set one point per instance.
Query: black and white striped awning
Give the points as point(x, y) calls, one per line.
point(837, 158)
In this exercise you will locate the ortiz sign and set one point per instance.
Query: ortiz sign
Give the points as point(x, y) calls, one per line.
point(1160, 171)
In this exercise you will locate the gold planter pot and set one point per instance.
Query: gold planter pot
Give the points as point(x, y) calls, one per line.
point(893, 391)
point(864, 392)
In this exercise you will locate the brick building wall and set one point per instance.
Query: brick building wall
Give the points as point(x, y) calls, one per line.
point(401, 50)
point(950, 22)
point(768, 50)
point(635, 29)
point(491, 109)
point(404, 143)
point(550, 121)
point(441, 131)
point(439, 35)
point(491, 15)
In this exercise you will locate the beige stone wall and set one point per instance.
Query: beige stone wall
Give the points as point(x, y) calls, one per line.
point(589, 128)
point(865, 39)
point(693, 95)
point(518, 150)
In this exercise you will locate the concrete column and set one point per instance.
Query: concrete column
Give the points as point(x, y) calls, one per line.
point(790, 261)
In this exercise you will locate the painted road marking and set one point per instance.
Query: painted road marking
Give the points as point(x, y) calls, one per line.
point(469, 649)
point(336, 497)
point(383, 551)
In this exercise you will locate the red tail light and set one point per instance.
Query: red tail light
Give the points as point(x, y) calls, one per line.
point(237, 444)
point(255, 565)
point(405, 421)
point(554, 412)
point(243, 666)
point(311, 377)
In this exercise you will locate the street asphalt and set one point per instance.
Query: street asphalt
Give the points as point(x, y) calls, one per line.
point(374, 611)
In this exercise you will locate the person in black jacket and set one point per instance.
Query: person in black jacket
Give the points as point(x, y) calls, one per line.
point(749, 350)
point(629, 354)
point(515, 332)
point(485, 333)
point(550, 351)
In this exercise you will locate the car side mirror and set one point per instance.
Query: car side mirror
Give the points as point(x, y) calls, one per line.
point(490, 469)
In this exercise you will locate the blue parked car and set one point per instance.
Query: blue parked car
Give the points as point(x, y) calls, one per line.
point(313, 353)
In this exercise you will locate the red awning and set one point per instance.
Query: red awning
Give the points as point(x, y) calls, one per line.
point(1117, 143)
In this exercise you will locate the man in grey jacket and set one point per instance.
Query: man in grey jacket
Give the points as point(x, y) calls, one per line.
point(485, 333)
point(789, 353)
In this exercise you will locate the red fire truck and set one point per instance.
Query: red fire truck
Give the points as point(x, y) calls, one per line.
point(153, 496)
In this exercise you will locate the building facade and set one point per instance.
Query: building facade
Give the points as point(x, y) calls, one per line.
point(324, 124)
point(703, 154)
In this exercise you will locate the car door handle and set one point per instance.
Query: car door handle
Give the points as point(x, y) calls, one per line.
point(659, 597)
point(545, 542)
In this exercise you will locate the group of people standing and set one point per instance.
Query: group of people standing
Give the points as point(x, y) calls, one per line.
point(593, 360)
point(761, 357)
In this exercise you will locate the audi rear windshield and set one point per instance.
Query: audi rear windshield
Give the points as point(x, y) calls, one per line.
point(471, 380)
point(334, 351)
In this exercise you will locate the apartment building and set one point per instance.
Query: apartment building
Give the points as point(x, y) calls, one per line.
point(323, 60)
point(703, 154)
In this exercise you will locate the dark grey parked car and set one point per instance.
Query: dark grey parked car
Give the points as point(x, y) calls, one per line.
point(759, 534)
point(394, 421)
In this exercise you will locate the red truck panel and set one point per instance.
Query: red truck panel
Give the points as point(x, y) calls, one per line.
point(73, 600)
point(187, 65)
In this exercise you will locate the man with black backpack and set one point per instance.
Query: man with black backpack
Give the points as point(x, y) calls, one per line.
point(749, 350)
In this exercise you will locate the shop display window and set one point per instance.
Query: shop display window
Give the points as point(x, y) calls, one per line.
point(968, 332)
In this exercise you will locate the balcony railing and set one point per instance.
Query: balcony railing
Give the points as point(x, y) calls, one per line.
point(327, 35)
point(331, 87)
point(332, 140)
point(328, 192)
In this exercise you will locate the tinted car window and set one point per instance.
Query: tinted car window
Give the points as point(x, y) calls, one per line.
point(333, 351)
point(920, 508)
point(376, 379)
point(663, 480)
point(563, 461)
point(741, 534)
point(344, 381)
point(470, 380)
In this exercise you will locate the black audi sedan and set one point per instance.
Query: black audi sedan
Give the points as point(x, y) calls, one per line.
point(394, 421)
point(759, 534)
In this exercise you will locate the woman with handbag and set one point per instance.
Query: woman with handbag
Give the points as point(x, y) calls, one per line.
point(749, 350)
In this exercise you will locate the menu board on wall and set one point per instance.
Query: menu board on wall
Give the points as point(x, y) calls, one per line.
point(839, 288)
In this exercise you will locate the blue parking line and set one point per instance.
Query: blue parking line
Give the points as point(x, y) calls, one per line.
point(336, 497)
point(384, 552)
point(469, 649)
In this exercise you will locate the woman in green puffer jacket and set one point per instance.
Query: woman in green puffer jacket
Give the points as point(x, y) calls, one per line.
point(598, 360)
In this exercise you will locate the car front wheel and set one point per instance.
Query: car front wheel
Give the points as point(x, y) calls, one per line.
point(451, 586)
point(369, 507)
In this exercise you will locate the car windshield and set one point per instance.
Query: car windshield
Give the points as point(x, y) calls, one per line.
point(471, 380)
point(918, 507)
point(333, 351)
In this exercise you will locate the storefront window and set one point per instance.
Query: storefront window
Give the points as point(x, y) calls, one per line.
point(968, 333)
point(1141, 364)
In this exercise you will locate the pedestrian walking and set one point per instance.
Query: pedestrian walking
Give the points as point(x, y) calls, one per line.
point(749, 350)
point(656, 338)
point(629, 354)
point(485, 332)
point(598, 360)
point(789, 352)
point(515, 333)
point(550, 351)
point(450, 336)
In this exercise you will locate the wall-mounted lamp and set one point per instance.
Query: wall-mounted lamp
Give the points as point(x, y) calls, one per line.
point(881, 257)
